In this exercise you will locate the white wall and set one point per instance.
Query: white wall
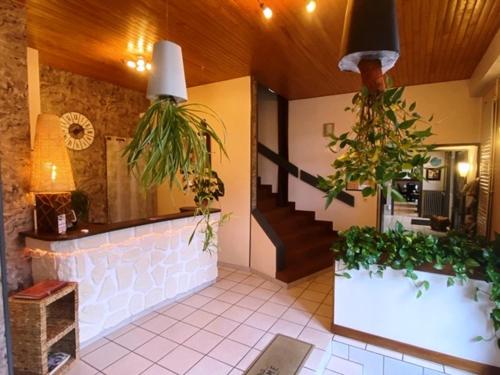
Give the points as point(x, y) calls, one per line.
point(263, 252)
point(231, 100)
point(456, 120)
point(267, 134)
point(445, 319)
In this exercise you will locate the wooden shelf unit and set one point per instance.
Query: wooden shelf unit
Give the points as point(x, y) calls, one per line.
point(40, 327)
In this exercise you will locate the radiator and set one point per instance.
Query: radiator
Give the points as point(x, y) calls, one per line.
point(432, 203)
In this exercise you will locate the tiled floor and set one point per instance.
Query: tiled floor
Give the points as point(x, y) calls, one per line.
point(221, 329)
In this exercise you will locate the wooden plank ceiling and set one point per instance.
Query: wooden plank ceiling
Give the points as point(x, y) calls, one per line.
point(294, 53)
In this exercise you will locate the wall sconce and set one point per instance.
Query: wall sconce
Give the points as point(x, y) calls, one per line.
point(51, 176)
point(463, 168)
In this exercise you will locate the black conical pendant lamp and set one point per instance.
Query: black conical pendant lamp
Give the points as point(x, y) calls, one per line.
point(370, 40)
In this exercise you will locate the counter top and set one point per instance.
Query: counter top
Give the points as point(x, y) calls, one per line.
point(91, 229)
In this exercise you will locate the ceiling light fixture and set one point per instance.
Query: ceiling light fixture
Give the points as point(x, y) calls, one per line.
point(266, 11)
point(311, 6)
point(139, 64)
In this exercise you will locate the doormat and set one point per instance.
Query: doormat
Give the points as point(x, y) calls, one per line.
point(283, 356)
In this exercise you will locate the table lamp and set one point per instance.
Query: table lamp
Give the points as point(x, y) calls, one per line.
point(51, 176)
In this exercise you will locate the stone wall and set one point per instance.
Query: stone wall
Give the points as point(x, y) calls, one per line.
point(125, 272)
point(14, 147)
point(112, 110)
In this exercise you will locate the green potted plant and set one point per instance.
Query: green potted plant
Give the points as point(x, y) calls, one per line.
point(170, 142)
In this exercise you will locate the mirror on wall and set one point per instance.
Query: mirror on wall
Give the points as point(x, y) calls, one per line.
point(445, 199)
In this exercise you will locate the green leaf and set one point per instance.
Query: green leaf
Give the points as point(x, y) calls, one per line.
point(412, 107)
point(367, 191)
point(419, 294)
point(478, 338)
point(450, 281)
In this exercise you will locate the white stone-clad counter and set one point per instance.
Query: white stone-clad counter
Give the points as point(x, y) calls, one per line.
point(127, 271)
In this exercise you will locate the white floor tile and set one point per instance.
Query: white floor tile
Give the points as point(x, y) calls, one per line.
point(156, 348)
point(209, 365)
point(216, 307)
point(199, 318)
point(261, 293)
point(317, 360)
point(253, 281)
point(179, 332)
point(229, 352)
point(340, 349)
point(394, 367)
point(246, 335)
point(311, 295)
point(373, 363)
point(81, 368)
point(196, 300)
point(321, 323)
point(261, 321)
point(93, 346)
point(264, 341)
point(225, 284)
point(455, 371)
point(211, 292)
point(273, 309)
point(134, 338)
point(349, 341)
point(385, 352)
point(105, 355)
point(345, 367)
point(131, 364)
point(158, 324)
point(271, 286)
point(178, 311)
point(120, 331)
point(283, 298)
point(306, 305)
point(319, 339)
point(180, 360)
point(286, 328)
point(250, 303)
point(248, 359)
point(157, 370)
point(222, 326)
point(423, 363)
point(237, 313)
point(235, 371)
point(146, 317)
point(297, 316)
point(237, 277)
point(242, 288)
point(230, 297)
point(203, 341)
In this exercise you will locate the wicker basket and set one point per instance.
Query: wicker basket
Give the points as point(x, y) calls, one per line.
point(40, 327)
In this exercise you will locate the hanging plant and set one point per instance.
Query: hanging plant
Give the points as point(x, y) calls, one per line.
point(383, 145)
point(169, 145)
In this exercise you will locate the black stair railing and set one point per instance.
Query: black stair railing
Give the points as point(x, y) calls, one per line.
point(300, 174)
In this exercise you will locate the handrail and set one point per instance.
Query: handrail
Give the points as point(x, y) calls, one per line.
point(299, 173)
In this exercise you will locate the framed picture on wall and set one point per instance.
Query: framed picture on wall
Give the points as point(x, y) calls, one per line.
point(433, 174)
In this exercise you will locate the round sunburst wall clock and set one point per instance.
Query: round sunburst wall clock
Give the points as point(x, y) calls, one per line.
point(78, 131)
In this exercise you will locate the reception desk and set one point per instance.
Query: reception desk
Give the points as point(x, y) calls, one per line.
point(124, 269)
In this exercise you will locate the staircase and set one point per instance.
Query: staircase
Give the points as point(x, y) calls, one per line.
point(306, 241)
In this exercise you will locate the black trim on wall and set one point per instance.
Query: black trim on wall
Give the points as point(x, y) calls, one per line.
point(313, 181)
point(282, 150)
point(5, 298)
point(278, 160)
point(273, 236)
point(302, 175)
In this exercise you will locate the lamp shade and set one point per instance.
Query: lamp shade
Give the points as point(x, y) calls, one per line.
point(167, 72)
point(51, 170)
point(370, 33)
point(463, 168)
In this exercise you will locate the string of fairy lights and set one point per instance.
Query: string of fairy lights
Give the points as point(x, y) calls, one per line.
point(310, 6)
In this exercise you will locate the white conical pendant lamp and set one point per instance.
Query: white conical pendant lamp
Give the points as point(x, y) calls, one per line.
point(167, 72)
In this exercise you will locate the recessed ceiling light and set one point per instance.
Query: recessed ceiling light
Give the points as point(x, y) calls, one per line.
point(266, 11)
point(311, 6)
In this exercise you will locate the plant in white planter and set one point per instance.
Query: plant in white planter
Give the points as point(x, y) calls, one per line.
point(170, 139)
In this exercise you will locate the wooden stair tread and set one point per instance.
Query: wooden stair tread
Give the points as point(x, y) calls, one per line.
point(307, 240)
